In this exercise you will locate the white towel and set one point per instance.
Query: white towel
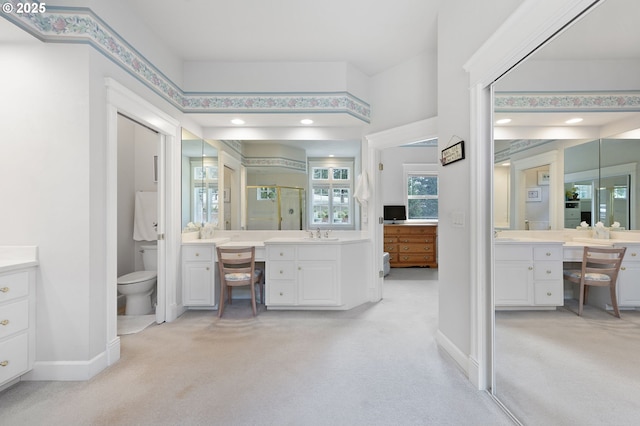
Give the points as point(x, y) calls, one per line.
point(145, 216)
point(361, 193)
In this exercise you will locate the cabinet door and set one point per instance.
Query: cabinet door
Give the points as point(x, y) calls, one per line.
point(513, 283)
point(628, 285)
point(317, 283)
point(198, 284)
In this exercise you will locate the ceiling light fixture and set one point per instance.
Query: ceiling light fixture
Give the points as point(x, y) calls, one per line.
point(237, 121)
point(306, 121)
point(573, 121)
point(503, 121)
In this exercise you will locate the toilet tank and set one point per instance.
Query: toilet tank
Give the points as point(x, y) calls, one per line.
point(149, 257)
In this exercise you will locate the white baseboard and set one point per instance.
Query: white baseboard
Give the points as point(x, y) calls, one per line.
point(458, 356)
point(68, 370)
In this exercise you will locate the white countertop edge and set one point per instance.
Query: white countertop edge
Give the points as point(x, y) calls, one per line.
point(285, 240)
point(18, 257)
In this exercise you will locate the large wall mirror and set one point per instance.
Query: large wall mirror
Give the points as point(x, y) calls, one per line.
point(552, 366)
point(269, 184)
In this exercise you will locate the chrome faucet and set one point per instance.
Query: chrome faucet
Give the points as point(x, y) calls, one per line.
point(310, 233)
point(326, 233)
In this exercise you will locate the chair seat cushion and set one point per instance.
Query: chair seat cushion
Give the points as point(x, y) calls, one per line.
point(591, 276)
point(241, 276)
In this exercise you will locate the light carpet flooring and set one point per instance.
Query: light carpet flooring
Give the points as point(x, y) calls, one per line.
point(377, 364)
point(556, 368)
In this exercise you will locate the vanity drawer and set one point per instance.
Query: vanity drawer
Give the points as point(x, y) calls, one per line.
point(14, 286)
point(632, 254)
point(197, 253)
point(282, 253)
point(547, 252)
point(281, 270)
point(14, 317)
point(281, 292)
point(512, 252)
point(547, 271)
point(548, 293)
point(14, 357)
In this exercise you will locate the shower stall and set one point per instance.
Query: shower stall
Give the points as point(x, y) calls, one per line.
point(275, 208)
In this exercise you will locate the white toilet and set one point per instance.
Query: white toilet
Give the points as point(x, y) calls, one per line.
point(138, 286)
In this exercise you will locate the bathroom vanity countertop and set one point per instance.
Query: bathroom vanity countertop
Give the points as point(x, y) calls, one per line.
point(17, 257)
point(308, 240)
point(217, 241)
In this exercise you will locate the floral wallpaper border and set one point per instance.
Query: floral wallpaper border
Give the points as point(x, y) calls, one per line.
point(275, 162)
point(61, 24)
point(566, 101)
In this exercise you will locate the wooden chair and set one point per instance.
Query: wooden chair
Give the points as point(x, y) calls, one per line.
point(237, 268)
point(600, 267)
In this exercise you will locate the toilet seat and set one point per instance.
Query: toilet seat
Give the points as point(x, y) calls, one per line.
point(136, 277)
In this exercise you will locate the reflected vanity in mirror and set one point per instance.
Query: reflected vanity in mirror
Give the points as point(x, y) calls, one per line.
point(269, 185)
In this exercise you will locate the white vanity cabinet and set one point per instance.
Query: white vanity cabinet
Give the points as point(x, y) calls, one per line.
point(17, 324)
point(628, 285)
point(315, 275)
point(528, 275)
point(198, 275)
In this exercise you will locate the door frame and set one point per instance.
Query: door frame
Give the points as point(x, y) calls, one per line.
point(124, 101)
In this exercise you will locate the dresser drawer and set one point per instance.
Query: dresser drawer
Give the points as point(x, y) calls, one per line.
point(197, 253)
point(282, 253)
point(14, 286)
point(415, 248)
point(390, 239)
point(429, 239)
point(415, 258)
point(14, 357)
point(390, 247)
point(281, 270)
point(14, 317)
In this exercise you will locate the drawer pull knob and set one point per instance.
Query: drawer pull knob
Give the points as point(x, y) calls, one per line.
point(197, 254)
point(623, 268)
point(4, 363)
point(207, 268)
point(548, 293)
point(531, 268)
point(4, 289)
point(405, 257)
point(548, 272)
point(548, 254)
point(281, 254)
point(4, 322)
point(405, 248)
point(633, 254)
point(281, 271)
point(281, 294)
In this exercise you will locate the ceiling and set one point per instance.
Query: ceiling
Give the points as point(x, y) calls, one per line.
point(608, 32)
point(373, 36)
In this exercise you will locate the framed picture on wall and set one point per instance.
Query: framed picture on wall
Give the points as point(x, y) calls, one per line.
point(543, 177)
point(534, 194)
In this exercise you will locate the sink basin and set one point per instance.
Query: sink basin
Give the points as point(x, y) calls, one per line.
point(321, 239)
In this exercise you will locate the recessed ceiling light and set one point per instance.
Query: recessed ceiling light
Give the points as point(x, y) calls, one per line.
point(503, 121)
point(506, 164)
point(237, 121)
point(331, 155)
point(306, 121)
point(573, 121)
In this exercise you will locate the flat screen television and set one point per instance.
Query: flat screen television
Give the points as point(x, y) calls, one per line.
point(395, 213)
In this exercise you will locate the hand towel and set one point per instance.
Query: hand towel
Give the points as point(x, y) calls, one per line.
point(361, 193)
point(145, 216)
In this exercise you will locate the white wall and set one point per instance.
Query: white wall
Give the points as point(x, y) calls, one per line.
point(393, 173)
point(405, 93)
point(44, 167)
point(463, 25)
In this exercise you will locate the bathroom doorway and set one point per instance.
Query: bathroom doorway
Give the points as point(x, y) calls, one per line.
point(121, 100)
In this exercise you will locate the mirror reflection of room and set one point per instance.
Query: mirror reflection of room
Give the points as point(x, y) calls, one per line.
point(561, 186)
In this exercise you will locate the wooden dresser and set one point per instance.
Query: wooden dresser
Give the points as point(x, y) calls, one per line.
point(411, 245)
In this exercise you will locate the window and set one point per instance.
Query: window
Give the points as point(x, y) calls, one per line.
point(422, 192)
point(331, 185)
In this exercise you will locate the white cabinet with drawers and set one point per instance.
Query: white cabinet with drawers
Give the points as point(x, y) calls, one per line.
point(528, 275)
point(316, 275)
point(198, 275)
point(17, 324)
